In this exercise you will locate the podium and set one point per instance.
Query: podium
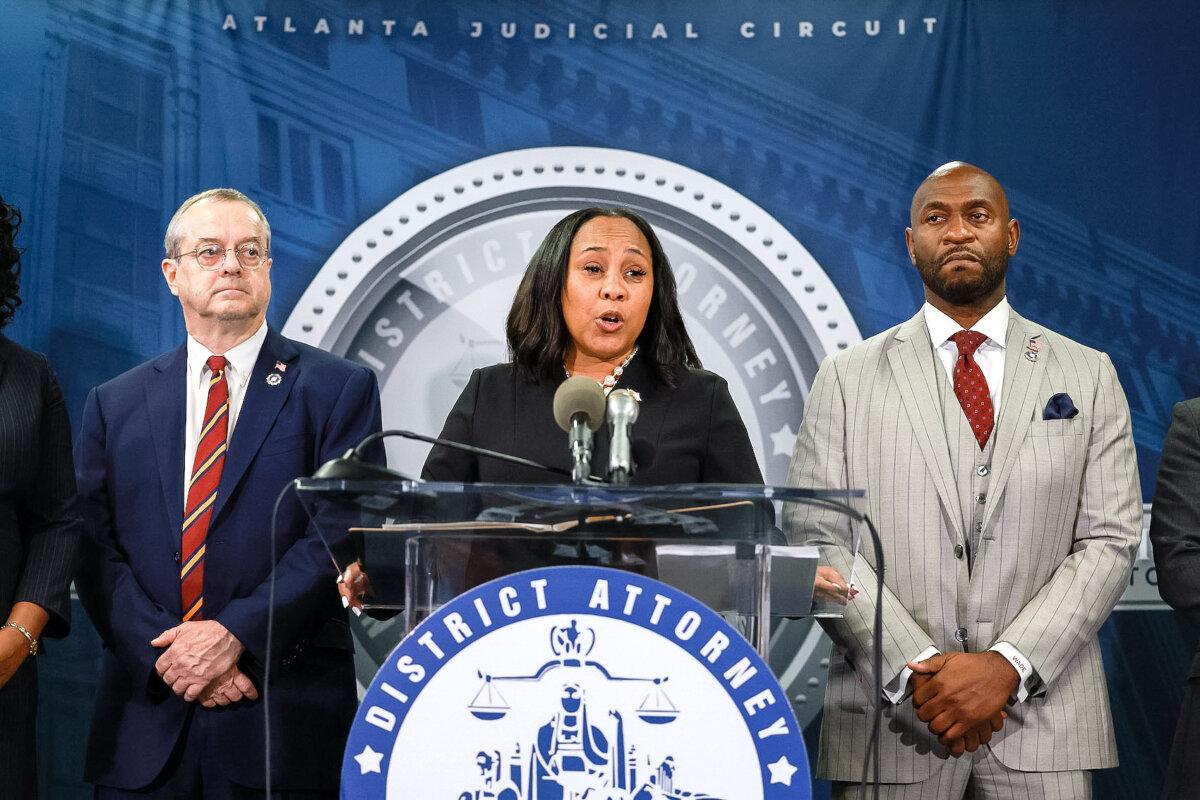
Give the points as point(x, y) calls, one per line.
point(421, 544)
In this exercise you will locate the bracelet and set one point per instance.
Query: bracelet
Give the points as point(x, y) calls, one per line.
point(33, 645)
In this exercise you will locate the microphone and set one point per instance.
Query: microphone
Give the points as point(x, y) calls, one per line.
point(579, 410)
point(351, 467)
point(479, 451)
point(622, 413)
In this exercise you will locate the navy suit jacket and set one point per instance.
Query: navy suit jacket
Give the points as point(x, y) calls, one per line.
point(129, 460)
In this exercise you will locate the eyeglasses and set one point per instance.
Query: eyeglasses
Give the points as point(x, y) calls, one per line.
point(211, 257)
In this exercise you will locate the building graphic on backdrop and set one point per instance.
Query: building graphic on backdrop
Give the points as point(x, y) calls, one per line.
point(130, 111)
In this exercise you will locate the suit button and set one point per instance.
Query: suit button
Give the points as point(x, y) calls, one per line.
point(958, 551)
point(982, 470)
point(979, 527)
point(177, 556)
point(981, 498)
point(961, 634)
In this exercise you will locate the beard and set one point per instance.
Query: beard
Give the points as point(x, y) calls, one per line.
point(962, 289)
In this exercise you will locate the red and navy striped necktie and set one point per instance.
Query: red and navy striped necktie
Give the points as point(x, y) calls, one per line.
point(202, 490)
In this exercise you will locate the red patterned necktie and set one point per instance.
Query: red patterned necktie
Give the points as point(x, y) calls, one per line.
point(971, 387)
point(202, 490)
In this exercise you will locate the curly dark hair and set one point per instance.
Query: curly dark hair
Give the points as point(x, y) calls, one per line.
point(10, 262)
point(538, 340)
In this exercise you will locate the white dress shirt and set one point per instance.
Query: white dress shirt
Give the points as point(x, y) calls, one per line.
point(239, 363)
point(990, 358)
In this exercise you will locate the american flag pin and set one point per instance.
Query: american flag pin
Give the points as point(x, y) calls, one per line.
point(280, 366)
point(1035, 345)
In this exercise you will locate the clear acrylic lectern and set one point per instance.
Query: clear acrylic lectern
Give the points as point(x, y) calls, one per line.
point(423, 543)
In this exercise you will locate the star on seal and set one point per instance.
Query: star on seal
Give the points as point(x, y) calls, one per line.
point(368, 761)
point(781, 771)
point(784, 441)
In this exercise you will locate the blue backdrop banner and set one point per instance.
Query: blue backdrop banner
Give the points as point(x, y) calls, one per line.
point(409, 155)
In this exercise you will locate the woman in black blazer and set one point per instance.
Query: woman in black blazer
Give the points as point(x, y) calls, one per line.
point(39, 526)
point(598, 299)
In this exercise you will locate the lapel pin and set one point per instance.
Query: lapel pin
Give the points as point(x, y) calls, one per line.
point(274, 378)
point(1031, 349)
point(280, 366)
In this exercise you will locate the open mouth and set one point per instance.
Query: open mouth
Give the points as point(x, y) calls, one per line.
point(610, 321)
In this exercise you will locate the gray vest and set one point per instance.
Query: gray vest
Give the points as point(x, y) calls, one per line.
point(972, 470)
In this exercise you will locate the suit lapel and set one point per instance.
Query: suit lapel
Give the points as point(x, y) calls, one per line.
point(166, 398)
point(652, 410)
point(1018, 400)
point(260, 407)
point(913, 368)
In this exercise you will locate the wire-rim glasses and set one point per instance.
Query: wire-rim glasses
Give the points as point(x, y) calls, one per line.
point(211, 257)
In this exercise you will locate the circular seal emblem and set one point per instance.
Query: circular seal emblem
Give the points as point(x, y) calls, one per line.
point(420, 291)
point(575, 683)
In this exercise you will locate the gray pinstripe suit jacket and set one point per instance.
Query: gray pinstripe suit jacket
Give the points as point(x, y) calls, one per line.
point(1061, 525)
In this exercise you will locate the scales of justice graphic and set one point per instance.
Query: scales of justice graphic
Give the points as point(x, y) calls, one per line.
point(581, 752)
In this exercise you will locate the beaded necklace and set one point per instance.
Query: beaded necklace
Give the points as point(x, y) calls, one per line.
point(610, 380)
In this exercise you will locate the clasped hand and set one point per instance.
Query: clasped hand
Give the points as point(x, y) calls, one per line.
point(961, 696)
point(200, 664)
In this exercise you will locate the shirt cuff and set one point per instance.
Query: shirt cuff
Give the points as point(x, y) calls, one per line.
point(897, 688)
point(1028, 675)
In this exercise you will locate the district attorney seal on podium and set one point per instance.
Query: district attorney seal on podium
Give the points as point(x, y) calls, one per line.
point(575, 683)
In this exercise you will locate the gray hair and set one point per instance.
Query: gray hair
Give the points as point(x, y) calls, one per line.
point(175, 235)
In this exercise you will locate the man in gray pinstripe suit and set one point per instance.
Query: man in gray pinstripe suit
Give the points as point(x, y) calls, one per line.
point(999, 467)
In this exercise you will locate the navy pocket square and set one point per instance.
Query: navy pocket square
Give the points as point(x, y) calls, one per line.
point(1060, 407)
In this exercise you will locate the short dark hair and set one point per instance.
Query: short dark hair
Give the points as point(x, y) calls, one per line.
point(10, 262)
point(537, 332)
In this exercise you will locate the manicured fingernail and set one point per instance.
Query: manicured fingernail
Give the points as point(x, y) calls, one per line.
point(357, 611)
point(345, 602)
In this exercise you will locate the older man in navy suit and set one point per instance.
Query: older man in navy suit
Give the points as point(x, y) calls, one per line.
point(180, 463)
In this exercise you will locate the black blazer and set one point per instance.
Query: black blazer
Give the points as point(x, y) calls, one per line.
point(39, 536)
point(39, 518)
point(695, 430)
point(1175, 534)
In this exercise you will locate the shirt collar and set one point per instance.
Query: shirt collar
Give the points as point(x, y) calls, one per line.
point(993, 325)
point(240, 359)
